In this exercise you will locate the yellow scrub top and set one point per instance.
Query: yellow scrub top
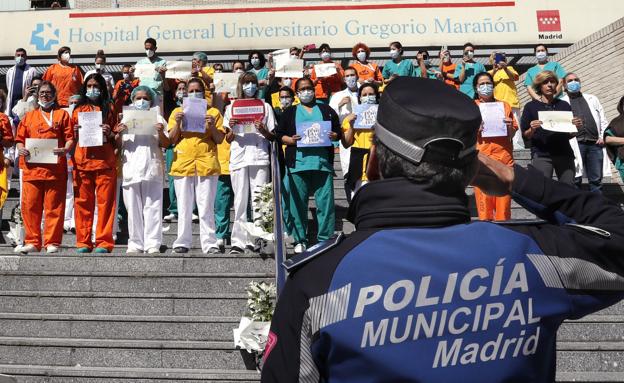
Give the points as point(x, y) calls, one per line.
point(363, 139)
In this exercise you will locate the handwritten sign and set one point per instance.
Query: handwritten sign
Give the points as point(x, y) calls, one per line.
point(226, 82)
point(194, 114)
point(366, 116)
point(493, 116)
point(42, 150)
point(144, 70)
point(140, 122)
point(90, 133)
point(180, 70)
point(292, 68)
point(314, 134)
point(560, 122)
point(325, 70)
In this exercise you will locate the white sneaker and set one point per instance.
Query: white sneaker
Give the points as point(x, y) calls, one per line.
point(153, 250)
point(169, 217)
point(220, 242)
point(25, 249)
point(195, 217)
point(52, 249)
point(132, 250)
point(300, 248)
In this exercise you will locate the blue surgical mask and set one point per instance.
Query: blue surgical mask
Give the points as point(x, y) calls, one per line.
point(142, 104)
point(93, 93)
point(196, 94)
point(541, 56)
point(306, 96)
point(485, 90)
point(351, 82)
point(45, 105)
point(574, 86)
point(372, 99)
point(250, 89)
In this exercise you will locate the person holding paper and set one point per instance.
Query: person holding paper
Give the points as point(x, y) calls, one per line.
point(95, 170)
point(143, 176)
point(66, 78)
point(195, 170)
point(497, 147)
point(549, 150)
point(309, 170)
point(367, 71)
point(359, 140)
point(249, 157)
point(157, 80)
point(397, 66)
point(44, 184)
point(257, 63)
point(324, 87)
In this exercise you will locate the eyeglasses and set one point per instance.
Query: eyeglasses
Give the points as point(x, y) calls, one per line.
point(45, 93)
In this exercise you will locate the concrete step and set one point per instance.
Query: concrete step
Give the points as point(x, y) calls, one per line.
point(177, 354)
point(119, 327)
point(226, 304)
point(80, 374)
point(590, 356)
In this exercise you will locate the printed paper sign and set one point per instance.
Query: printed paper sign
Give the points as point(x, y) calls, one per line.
point(194, 114)
point(90, 133)
point(42, 150)
point(250, 109)
point(140, 122)
point(144, 70)
point(292, 68)
point(493, 116)
point(560, 122)
point(180, 70)
point(226, 82)
point(366, 116)
point(314, 134)
point(325, 70)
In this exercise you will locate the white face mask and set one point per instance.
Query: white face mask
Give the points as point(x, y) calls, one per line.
point(394, 53)
point(285, 102)
point(99, 67)
point(19, 60)
point(306, 96)
point(142, 104)
point(469, 54)
point(351, 82)
point(371, 99)
point(196, 94)
point(126, 76)
point(325, 56)
point(541, 56)
point(255, 63)
point(65, 57)
point(361, 56)
point(239, 71)
point(149, 53)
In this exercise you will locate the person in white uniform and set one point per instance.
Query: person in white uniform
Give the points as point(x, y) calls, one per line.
point(143, 177)
point(249, 158)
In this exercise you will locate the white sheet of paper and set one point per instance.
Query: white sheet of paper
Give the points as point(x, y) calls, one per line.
point(280, 58)
point(180, 70)
point(560, 122)
point(90, 133)
point(292, 68)
point(226, 82)
point(325, 70)
point(41, 150)
point(493, 115)
point(144, 70)
point(140, 122)
point(194, 114)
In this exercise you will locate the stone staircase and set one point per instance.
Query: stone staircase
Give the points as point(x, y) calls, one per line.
point(120, 318)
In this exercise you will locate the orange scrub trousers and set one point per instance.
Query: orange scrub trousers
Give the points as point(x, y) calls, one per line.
point(95, 181)
point(492, 208)
point(44, 185)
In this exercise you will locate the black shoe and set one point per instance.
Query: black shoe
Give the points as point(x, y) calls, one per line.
point(235, 250)
point(180, 250)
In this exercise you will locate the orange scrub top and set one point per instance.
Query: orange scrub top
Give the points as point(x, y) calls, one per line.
point(326, 86)
point(368, 71)
point(67, 79)
point(498, 148)
point(96, 157)
point(34, 125)
point(6, 133)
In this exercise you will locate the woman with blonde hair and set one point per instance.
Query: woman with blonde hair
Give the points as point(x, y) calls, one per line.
point(549, 150)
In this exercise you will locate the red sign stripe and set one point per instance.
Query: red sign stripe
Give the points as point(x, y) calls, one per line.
point(481, 4)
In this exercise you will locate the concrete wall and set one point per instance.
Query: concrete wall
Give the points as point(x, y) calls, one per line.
point(598, 60)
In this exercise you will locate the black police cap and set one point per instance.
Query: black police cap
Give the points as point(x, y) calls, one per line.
point(427, 120)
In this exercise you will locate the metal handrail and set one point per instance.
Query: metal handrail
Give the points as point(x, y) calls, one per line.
point(278, 219)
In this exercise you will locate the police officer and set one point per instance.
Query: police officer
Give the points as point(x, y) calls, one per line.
point(420, 293)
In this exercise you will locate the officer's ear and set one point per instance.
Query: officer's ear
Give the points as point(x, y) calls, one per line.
point(372, 168)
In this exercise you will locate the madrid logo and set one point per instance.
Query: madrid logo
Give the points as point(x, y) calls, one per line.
point(549, 21)
point(44, 36)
